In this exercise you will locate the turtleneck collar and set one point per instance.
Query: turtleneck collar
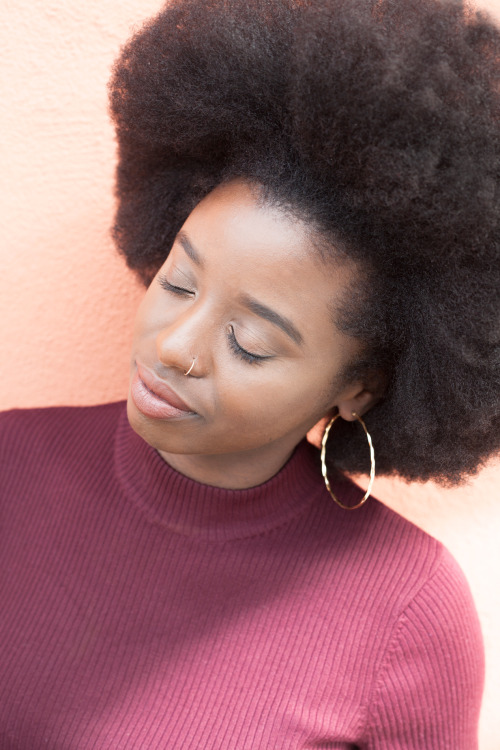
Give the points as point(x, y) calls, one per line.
point(186, 507)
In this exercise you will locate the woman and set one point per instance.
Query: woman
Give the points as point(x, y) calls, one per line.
point(311, 193)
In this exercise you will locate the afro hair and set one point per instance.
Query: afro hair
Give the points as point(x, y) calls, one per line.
point(378, 122)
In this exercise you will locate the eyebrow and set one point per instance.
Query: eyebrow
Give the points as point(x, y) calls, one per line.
point(190, 251)
point(272, 316)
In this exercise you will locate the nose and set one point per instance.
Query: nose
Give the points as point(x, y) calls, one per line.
point(187, 338)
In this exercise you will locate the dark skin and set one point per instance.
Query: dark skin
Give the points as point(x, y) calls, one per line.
point(249, 409)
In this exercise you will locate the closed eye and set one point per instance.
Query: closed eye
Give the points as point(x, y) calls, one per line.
point(242, 353)
point(179, 290)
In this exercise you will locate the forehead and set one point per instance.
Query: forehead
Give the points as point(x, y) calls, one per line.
point(264, 249)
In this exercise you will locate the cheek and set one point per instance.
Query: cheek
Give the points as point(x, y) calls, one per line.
point(287, 398)
point(152, 315)
point(143, 316)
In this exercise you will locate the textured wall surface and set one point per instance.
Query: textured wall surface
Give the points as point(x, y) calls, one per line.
point(67, 302)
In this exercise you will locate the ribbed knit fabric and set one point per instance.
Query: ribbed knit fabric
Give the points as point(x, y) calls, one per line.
point(140, 609)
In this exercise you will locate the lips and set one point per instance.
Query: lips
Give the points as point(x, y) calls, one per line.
point(154, 398)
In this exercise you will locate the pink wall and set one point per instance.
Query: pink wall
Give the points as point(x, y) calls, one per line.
point(67, 303)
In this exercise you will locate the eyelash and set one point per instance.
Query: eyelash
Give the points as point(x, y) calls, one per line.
point(253, 359)
point(174, 289)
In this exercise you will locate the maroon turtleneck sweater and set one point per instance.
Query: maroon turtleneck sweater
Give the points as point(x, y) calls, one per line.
point(140, 609)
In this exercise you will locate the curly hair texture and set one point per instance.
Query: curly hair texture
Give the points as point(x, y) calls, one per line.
point(377, 121)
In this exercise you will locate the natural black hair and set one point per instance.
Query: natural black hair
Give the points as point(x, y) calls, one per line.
point(378, 122)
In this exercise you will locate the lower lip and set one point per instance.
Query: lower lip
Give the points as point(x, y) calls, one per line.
point(152, 405)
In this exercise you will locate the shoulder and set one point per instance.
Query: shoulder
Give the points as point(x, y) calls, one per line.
point(33, 435)
point(414, 578)
point(401, 603)
point(430, 680)
point(439, 611)
point(397, 557)
point(428, 576)
point(56, 419)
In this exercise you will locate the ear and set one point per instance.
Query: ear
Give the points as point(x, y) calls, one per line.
point(357, 398)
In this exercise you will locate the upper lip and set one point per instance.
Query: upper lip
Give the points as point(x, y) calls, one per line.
point(160, 388)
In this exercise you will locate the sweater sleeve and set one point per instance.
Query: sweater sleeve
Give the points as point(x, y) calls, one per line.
point(429, 690)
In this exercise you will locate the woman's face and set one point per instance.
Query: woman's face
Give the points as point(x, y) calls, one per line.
point(246, 296)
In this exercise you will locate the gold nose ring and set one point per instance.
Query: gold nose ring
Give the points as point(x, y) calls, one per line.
point(192, 365)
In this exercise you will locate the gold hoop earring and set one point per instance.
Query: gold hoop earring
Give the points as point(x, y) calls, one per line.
point(192, 365)
point(372, 463)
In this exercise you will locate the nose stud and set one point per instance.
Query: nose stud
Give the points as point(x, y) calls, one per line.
point(192, 365)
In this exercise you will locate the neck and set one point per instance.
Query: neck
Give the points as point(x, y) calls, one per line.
point(236, 471)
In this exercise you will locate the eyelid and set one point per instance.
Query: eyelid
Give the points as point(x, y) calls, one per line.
point(165, 284)
point(244, 353)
